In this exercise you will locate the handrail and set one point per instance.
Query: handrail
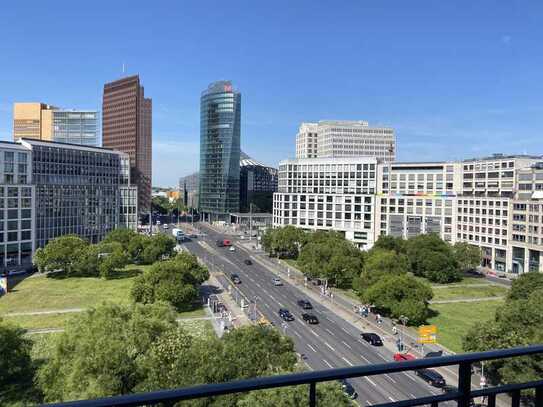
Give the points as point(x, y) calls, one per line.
point(215, 389)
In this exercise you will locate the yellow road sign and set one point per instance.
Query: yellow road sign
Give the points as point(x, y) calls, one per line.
point(427, 334)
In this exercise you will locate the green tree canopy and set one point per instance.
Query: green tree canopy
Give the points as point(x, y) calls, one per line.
point(101, 352)
point(397, 295)
point(121, 235)
point(525, 285)
point(16, 368)
point(467, 256)
point(172, 281)
point(387, 242)
point(378, 263)
point(62, 253)
point(283, 242)
point(156, 247)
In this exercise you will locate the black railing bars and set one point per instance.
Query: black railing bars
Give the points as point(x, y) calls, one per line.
point(463, 395)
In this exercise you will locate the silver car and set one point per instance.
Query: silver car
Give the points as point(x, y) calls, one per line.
point(277, 281)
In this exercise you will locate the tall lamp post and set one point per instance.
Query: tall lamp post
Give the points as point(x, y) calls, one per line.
point(403, 320)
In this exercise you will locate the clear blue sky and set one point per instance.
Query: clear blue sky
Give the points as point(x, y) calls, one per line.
point(454, 78)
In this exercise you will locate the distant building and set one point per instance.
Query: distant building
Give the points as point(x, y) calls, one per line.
point(258, 182)
point(127, 127)
point(45, 122)
point(339, 138)
point(220, 115)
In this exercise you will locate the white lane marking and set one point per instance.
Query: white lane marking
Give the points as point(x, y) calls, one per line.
point(266, 305)
point(346, 344)
point(330, 332)
point(327, 344)
point(345, 330)
point(412, 396)
point(265, 291)
point(312, 348)
point(314, 333)
point(371, 381)
point(391, 399)
point(364, 359)
point(251, 279)
point(272, 297)
point(258, 285)
point(297, 334)
point(390, 378)
point(349, 363)
point(328, 318)
point(409, 376)
point(329, 365)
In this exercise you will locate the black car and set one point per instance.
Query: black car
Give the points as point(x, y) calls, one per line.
point(285, 314)
point(372, 338)
point(435, 354)
point(310, 318)
point(235, 278)
point(248, 262)
point(220, 243)
point(305, 304)
point(431, 376)
point(348, 389)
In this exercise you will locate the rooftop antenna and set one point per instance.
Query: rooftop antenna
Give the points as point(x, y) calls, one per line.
point(123, 69)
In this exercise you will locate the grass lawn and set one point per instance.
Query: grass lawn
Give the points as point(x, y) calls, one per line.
point(199, 328)
point(453, 320)
point(291, 262)
point(456, 292)
point(42, 293)
point(40, 321)
point(349, 293)
point(195, 313)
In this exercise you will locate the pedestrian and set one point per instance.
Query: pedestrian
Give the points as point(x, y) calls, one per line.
point(379, 320)
point(394, 330)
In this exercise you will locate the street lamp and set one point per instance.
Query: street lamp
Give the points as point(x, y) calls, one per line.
point(403, 320)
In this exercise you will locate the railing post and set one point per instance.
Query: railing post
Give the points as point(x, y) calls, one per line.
point(312, 394)
point(464, 384)
point(515, 398)
point(539, 396)
point(491, 400)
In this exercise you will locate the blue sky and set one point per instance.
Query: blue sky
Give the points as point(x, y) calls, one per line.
point(454, 78)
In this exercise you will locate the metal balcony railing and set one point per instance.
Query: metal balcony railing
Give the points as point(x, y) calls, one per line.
point(462, 396)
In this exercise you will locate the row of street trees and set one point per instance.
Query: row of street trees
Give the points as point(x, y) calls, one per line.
point(71, 255)
point(384, 276)
point(114, 349)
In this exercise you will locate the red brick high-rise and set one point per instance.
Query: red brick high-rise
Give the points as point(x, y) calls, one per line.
point(127, 126)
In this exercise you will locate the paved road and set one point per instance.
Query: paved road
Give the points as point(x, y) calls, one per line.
point(330, 344)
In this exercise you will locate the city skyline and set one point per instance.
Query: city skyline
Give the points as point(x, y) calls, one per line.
point(477, 94)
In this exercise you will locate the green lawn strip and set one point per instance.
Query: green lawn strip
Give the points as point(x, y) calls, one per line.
point(195, 313)
point(454, 292)
point(198, 328)
point(43, 293)
point(291, 262)
point(453, 320)
point(40, 321)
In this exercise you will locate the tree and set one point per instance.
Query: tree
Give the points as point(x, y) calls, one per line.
point(121, 235)
point(137, 246)
point(63, 253)
point(329, 394)
point(283, 242)
point(397, 295)
point(102, 351)
point(156, 247)
point(16, 369)
point(387, 242)
point(378, 263)
point(190, 262)
point(169, 281)
point(160, 204)
point(525, 285)
point(112, 257)
point(467, 256)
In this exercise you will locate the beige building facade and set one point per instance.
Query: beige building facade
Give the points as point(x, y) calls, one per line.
point(32, 120)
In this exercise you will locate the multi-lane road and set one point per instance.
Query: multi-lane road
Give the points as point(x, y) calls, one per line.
point(332, 343)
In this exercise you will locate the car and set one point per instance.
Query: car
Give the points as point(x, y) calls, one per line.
point(158, 222)
point(305, 304)
point(372, 338)
point(435, 354)
point(431, 377)
point(220, 243)
point(235, 278)
point(165, 226)
point(285, 314)
point(248, 262)
point(310, 318)
point(232, 248)
point(400, 357)
point(348, 389)
point(193, 235)
point(277, 281)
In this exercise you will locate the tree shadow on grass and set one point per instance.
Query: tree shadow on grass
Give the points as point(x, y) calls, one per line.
point(121, 275)
point(432, 313)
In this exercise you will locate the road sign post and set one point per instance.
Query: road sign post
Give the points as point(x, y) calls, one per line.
point(427, 334)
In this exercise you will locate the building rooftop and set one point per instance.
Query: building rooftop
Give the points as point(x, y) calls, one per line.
point(32, 141)
point(500, 156)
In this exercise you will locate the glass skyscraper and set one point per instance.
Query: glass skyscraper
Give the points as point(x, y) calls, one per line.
point(220, 109)
point(75, 127)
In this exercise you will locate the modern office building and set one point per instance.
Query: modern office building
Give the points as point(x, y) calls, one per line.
point(45, 122)
point(306, 140)
point(78, 190)
point(127, 127)
point(17, 200)
point(257, 183)
point(337, 138)
point(220, 113)
point(328, 194)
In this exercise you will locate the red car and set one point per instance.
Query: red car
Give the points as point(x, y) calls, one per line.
point(400, 357)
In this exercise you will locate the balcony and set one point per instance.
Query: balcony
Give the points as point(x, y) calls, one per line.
point(462, 396)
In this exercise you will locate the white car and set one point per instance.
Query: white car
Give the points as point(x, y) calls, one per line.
point(232, 249)
point(277, 281)
point(165, 226)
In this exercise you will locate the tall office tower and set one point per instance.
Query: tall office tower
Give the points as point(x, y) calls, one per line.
point(306, 141)
point(31, 120)
point(127, 127)
point(355, 139)
point(220, 109)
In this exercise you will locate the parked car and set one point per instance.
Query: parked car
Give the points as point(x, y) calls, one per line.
point(310, 318)
point(435, 354)
point(372, 338)
point(431, 376)
point(248, 262)
point(277, 281)
point(165, 226)
point(399, 357)
point(232, 249)
point(348, 389)
point(305, 304)
point(235, 278)
point(285, 314)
